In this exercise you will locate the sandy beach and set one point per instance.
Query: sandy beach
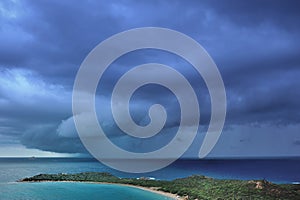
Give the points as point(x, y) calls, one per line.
point(174, 196)
point(150, 189)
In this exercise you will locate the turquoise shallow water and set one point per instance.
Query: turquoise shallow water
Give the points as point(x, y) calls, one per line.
point(73, 191)
point(12, 170)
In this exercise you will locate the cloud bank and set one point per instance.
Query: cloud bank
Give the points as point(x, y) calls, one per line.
point(254, 44)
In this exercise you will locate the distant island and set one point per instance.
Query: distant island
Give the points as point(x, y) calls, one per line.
point(193, 187)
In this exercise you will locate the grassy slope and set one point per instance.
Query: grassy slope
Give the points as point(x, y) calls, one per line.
point(195, 187)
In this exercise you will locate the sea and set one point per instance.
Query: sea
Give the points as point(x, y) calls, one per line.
point(13, 169)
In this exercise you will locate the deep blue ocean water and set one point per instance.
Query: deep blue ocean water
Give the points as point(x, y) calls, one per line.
point(12, 169)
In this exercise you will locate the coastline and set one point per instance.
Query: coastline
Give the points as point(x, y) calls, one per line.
point(149, 189)
point(192, 187)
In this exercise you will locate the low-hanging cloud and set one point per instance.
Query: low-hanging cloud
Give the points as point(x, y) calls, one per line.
point(254, 44)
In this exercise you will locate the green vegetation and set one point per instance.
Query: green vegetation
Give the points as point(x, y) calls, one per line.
point(195, 187)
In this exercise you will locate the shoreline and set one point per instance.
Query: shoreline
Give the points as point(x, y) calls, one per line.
point(192, 187)
point(149, 189)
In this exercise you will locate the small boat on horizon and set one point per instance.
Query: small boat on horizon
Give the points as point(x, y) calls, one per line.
point(32, 158)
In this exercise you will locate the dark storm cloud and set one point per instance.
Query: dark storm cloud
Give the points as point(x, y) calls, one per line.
point(254, 13)
point(59, 35)
point(255, 45)
point(297, 142)
point(46, 138)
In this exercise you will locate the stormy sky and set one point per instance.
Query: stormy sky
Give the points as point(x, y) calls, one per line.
point(255, 45)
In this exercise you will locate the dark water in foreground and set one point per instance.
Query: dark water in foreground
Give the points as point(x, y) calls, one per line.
point(12, 169)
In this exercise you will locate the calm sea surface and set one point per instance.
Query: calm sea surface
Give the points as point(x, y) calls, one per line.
point(12, 169)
